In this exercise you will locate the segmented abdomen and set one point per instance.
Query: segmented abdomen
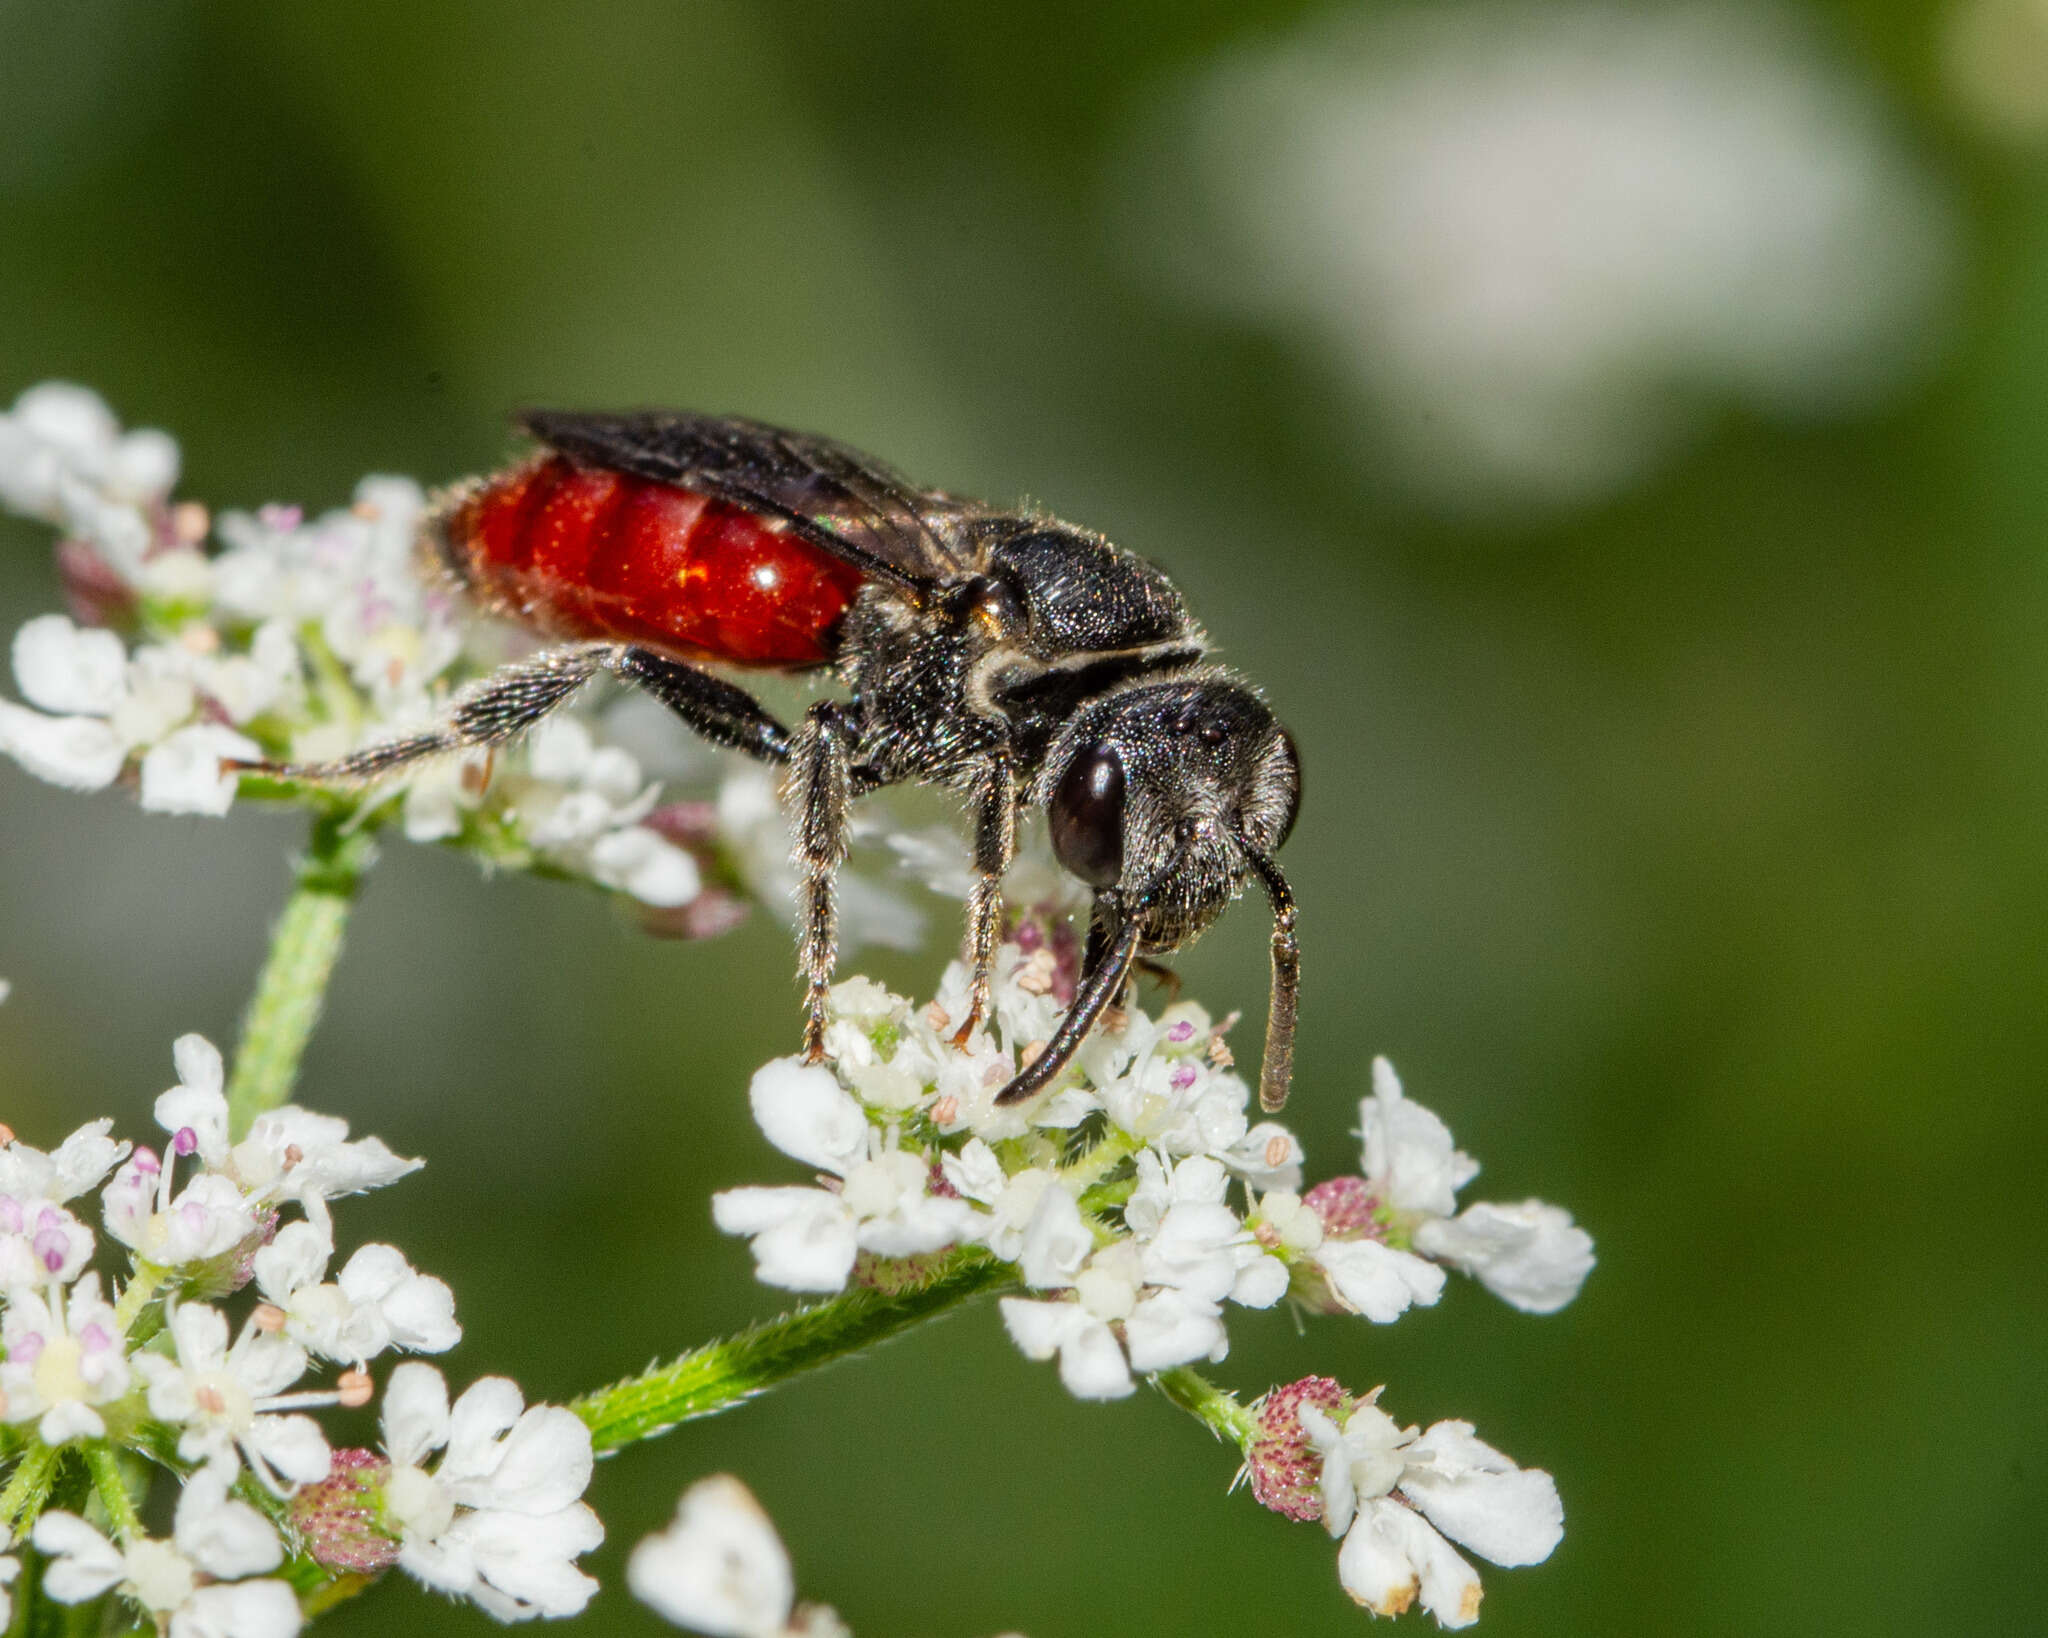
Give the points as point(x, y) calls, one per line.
point(582, 552)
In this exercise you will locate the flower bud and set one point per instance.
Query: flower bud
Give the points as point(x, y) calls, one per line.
point(337, 1518)
point(1348, 1208)
point(1283, 1466)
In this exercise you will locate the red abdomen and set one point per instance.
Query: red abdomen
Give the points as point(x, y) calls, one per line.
point(583, 552)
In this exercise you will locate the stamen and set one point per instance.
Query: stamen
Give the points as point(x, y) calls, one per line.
point(268, 1318)
point(946, 1110)
point(354, 1387)
point(6, 1134)
point(1277, 1151)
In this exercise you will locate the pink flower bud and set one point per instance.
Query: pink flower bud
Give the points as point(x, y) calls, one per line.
point(1283, 1465)
point(337, 1518)
point(1348, 1209)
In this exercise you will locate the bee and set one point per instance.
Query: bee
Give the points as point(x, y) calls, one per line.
point(1002, 654)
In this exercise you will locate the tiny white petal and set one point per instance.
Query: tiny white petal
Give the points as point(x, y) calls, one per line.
point(66, 670)
point(1479, 1498)
point(803, 1239)
point(1408, 1151)
point(1376, 1280)
point(650, 867)
point(415, 1412)
point(183, 774)
point(1172, 1328)
point(199, 1067)
point(1530, 1255)
point(720, 1568)
point(803, 1111)
point(75, 753)
point(83, 1563)
point(241, 1609)
point(1056, 1242)
point(223, 1537)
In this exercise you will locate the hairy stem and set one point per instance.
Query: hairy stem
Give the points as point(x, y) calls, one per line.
point(303, 948)
point(721, 1374)
point(112, 1486)
point(30, 1487)
point(1208, 1404)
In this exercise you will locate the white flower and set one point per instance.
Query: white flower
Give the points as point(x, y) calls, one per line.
point(378, 1301)
point(1530, 1255)
point(228, 1398)
point(808, 1239)
point(106, 707)
point(74, 1166)
point(40, 1242)
point(721, 1569)
point(294, 1154)
point(211, 1536)
point(1447, 1481)
point(63, 1359)
point(496, 1520)
point(64, 458)
point(584, 802)
point(1193, 1241)
point(1092, 1364)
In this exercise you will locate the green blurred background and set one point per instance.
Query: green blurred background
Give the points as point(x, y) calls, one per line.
point(1686, 845)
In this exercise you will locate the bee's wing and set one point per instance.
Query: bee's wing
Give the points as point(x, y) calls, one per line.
point(840, 500)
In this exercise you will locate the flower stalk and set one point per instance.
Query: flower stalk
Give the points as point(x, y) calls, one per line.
point(722, 1374)
point(111, 1485)
point(1208, 1404)
point(303, 949)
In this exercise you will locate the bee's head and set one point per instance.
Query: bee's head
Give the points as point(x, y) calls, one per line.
point(1168, 798)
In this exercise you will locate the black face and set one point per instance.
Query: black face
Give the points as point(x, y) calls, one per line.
point(1161, 793)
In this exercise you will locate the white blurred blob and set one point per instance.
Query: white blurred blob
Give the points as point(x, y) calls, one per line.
point(1544, 242)
point(1996, 55)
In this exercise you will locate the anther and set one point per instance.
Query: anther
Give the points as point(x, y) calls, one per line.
point(1033, 1051)
point(268, 1318)
point(1277, 1151)
point(936, 1016)
point(6, 1134)
point(354, 1388)
point(207, 1398)
point(946, 1110)
point(190, 523)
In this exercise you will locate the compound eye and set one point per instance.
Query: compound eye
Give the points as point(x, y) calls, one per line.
point(1087, 815)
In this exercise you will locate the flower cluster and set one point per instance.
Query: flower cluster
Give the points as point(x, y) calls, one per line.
point(192, 640)
point(155, 1367)
point(1132, 1202)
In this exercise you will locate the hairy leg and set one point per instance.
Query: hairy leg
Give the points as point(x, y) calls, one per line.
point(515, 697)
point(995, 844)
point(817, 793)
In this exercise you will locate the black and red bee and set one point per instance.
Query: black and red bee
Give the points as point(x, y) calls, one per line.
point(1006, 655)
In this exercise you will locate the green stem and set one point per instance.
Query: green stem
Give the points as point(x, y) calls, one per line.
point(303, 949)
point(135, 1295)
point(30, 1487)
point(721, 1374)
point(112, 1486)
point(1208, 1404)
